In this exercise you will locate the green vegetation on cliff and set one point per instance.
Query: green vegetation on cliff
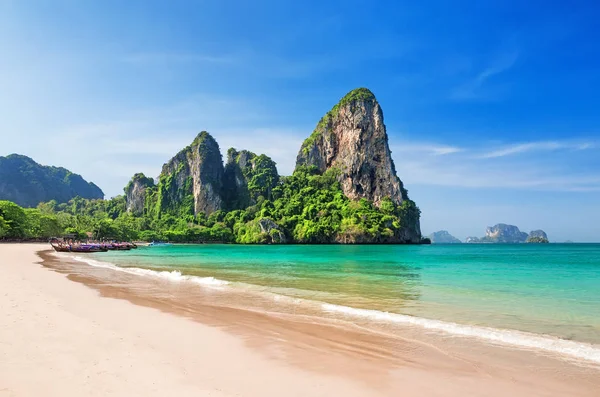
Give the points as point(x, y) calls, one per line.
point(196, 168)
point(358, 94)
point(443, 237)
point(346, 191)
point(28, 183)
point(141, 179)
point(248, 178)
point(539, 240)
point(306, 207)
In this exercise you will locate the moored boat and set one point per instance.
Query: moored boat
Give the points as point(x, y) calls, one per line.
point(117, 247)
point(159, 244)
point(71, 245)
point(89, 248)
point(79, 248)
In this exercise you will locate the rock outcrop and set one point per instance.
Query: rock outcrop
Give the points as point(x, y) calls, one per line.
point(503, 233)
point(191, 182)
point(345, 188)
point(274, 232)
point(352, 138)
point(135, 193)
point(246, 178)
point(538, 233)
point(27, 183)
point(537, 236)
point(443, 237)
point(352, 141)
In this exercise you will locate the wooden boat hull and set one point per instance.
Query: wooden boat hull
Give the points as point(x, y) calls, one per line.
point(79, 249)
point(118, 248)
point(90, 250)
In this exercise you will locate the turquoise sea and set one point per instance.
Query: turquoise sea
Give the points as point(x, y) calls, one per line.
point(543, 296)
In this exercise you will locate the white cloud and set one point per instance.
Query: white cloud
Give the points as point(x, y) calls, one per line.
point(475, 176)
point(538, 146)
point(488, 167)
point(501, 64)
point(427, 148)
point(476, 87)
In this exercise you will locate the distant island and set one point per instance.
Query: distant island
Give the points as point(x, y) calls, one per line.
point(344, 190)
point(503, 233)
point(27, 183)
point(443, 237)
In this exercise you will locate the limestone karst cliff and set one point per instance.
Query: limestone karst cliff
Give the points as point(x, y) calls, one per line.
point(537, 236)
point(344, 189)
point(28, 183)
point(135, 193)
point(352, 138)
point(191, 182)
point(503, 233)
point(443, 237)
point(247, 177)
point(538, 233)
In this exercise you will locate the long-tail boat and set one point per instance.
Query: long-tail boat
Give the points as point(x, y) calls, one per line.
point(79, 248)
point(118, 246)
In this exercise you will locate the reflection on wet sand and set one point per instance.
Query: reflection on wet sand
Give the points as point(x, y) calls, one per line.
point(299, 333)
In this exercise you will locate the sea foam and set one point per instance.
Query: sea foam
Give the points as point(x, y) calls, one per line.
point(519, 339)
point(568, 348)
point(174, 276)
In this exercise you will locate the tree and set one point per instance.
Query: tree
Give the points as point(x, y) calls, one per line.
point(116, 206)
point(104, 228)
point(308, 207)
point(3, 227)
point(39, 225)
point(48, 208)
point(15, 218)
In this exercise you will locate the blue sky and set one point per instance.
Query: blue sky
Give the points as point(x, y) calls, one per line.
point(491, 107)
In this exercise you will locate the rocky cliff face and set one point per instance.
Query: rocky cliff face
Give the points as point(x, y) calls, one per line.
point(537, 236)
point(443, 237)
point(191, 182)
point(235, 184)
point(352, 139)
point(135, 193)
point(272, 230)
point(28, 183)
point(247, 177)
point(502, 233)
point(538, 233)
point(345, 188)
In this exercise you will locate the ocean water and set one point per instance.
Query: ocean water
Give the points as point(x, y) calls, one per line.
point(534, 296)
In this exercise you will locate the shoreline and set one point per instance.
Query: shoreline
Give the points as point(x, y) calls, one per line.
point(568, 349)
point(282, 355)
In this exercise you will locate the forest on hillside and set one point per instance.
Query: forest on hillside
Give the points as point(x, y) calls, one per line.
point(306, 207)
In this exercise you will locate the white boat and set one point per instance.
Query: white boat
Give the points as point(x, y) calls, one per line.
point(159, 244)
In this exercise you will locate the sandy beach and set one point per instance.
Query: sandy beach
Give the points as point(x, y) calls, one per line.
point(65, 333)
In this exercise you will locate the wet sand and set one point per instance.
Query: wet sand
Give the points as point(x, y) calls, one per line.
point(129, 336)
